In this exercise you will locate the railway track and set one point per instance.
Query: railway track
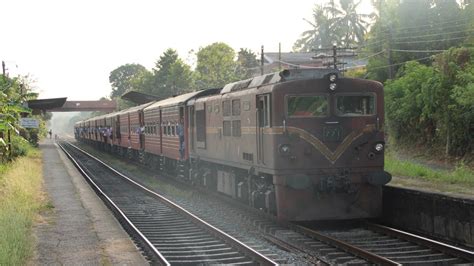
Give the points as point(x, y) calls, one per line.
point(387, 246)
point(362, 244)
point(167, 233)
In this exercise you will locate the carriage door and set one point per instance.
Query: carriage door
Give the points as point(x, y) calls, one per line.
point(191, 128)
point(141, 130)
point(200, 123)
point(263, 121)
point(160, 126)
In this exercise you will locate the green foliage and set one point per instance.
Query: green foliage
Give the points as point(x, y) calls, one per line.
point(122, 78)
point(172, 76)
point(415, 30)
point(398, 167)
point(247, 64)
point(21, 200)
point(215, 66)
point(319, 35)
point(14, 92)
point(355, 73)
point(163, 85)
point(334, 24)
point(434, 105)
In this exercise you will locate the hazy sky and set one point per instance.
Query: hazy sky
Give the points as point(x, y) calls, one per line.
point(70, 46)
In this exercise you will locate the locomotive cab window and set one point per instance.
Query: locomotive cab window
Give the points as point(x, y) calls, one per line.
point(355, 105)
point(307, 106)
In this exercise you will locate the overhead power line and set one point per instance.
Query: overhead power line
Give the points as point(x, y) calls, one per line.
point(419, 51)
point(427, 41)
point(434, 34)
point(397, 64)
point(429, 25)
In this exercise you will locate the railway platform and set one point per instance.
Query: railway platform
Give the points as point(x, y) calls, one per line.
point(79, 230)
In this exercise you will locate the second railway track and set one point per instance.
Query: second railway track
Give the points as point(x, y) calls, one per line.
point(166, 232)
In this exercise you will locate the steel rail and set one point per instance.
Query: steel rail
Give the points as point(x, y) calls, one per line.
point(369, 256)
point(121, 215)
point(208, 227)
point(442, 247)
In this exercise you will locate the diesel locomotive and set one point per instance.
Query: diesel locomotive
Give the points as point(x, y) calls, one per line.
point(302, 144)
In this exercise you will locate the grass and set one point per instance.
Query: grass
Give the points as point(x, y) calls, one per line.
point(21, 199)
point(461, 174)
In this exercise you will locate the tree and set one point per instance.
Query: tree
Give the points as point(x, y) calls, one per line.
point(123, 78)
point(171, 75)
point(434, 105)
point(247, 64)
point(14, 92)
point(414, 30)
point(180, 77)
point(215, 66)
point(347, 24)
point(320, 35)
point(334, 24)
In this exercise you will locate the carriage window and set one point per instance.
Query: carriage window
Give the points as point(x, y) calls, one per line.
point(236, 131)
point(226, 109)
point(227, 128)
point(201, 125)
point(307, 106)
point(355, 105)
point(236, 107)
point(246, 105)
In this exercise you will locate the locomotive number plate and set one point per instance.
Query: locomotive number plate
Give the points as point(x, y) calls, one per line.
point(333, 133)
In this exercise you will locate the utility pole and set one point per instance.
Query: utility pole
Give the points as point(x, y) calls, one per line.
point(389, 51)
point(335, 63)
point(261, 61)
point(3, 68)
point(279, 56)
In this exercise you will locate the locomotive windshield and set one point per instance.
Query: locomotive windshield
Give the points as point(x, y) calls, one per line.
point(355, 105)
point(307, 106)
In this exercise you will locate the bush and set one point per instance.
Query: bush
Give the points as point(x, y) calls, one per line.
point(434, 105)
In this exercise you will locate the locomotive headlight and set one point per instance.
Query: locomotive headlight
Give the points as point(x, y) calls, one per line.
point(284, 149)
point(378, 147)
point(332, 86)
point(332, 78)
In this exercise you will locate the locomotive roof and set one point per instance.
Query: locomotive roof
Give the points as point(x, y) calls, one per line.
point(182, 99)
point(282, 76)
point(133, 109)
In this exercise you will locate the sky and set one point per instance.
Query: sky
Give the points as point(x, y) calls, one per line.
point(69, 47)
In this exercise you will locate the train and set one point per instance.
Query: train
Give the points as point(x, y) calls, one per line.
point(300, 144)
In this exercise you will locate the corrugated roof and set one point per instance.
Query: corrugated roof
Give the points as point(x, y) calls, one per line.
point(181, 99)
point(135, 108)
point(139, 97)
point(291, 57)
point(45, 104)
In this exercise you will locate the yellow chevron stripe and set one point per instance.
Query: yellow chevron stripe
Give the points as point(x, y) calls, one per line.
point(320, 146)
point(310, 138)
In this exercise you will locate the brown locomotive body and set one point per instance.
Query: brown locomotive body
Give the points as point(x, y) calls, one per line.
point(293, 146)
point(301, 144)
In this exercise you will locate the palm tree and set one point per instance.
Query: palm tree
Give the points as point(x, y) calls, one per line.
point(334, 24)
point(320, 34)
point(347, 23)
